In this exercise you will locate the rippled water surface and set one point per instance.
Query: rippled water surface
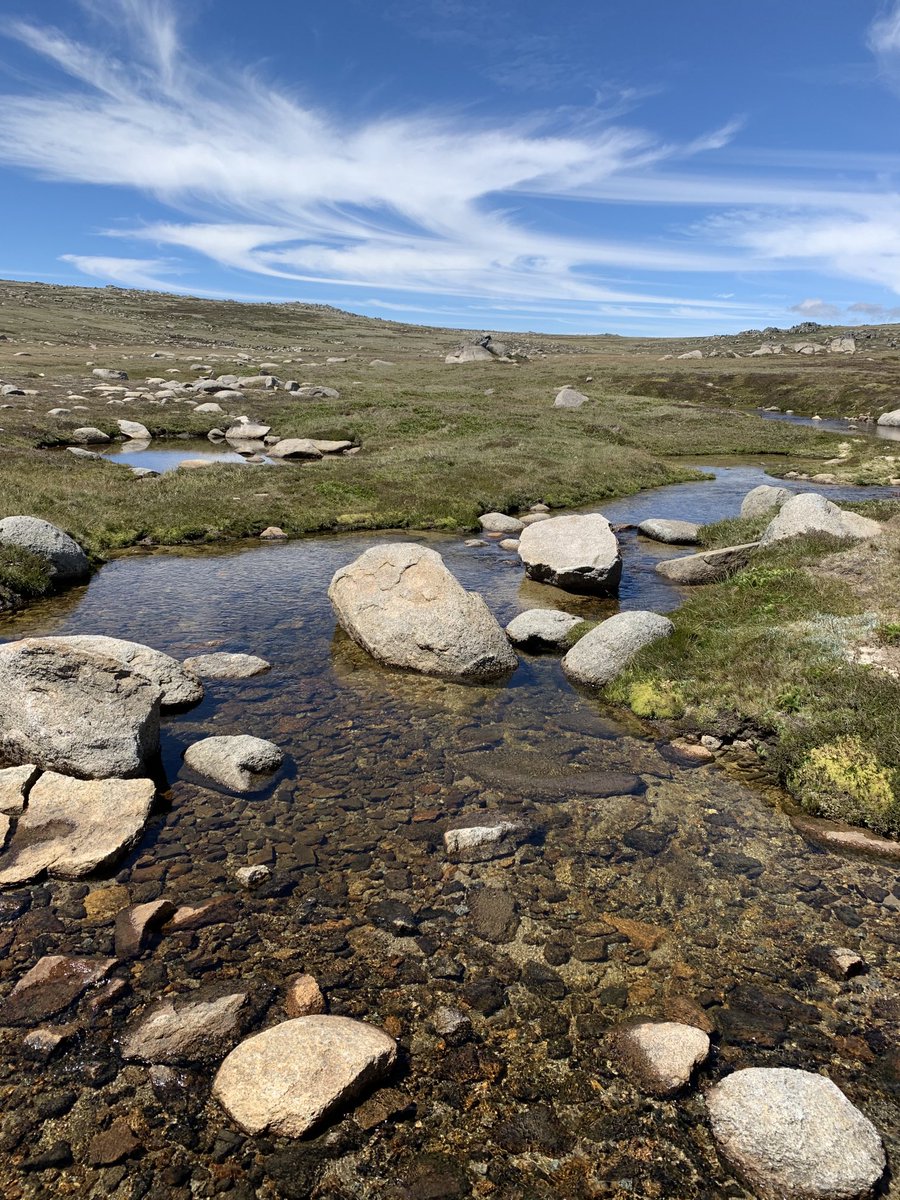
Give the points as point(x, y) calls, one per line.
point(647, 887)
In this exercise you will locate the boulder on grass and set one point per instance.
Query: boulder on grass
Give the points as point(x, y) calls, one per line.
point(708, 566)
point(576, 553)
point(607, 649)
point(809, 513)
point(401, 604)
point(569, 397)
point(67, 561)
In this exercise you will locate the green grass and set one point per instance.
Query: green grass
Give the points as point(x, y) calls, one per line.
point(764, 650)
point(23, 576)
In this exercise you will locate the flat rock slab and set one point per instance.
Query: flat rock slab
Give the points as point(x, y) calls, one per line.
point(178, 685)
point(296, 448)
point(578, 554)
point(709, 566)
point(660, 1056)
point(541, 627)
point(609, 647)
point(288, 1079)
point(15, 784)
point(69, 710)
point(536, 777)
point(494, 915)
point(227, 666)
point(193, 1028)
point(659, 529)
point(794, 1133)
point(401, 604)
point(71, 827)
point(52, 984)
point(234, 762)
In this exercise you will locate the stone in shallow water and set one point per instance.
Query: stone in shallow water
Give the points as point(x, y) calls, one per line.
point(52, 984)
point(660, 1056)
point(401, 604)
point(494, 915)
point(488, 836)
point(69, 710)
point(660, 529)
point(178, 685)
point(602, 654)
point(289, 1078)
point(135, 925)
point(303, 997)
point(234, 761)
point(542, 627)
point(794, 1133)
point(72, 826)
point(194, 1028)
point(575, 553)
point(496, 522)
point(227, 666)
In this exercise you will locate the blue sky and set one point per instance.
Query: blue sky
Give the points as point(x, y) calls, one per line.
point(631, 166)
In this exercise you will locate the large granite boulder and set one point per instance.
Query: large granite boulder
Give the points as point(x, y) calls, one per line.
point(794, 1133)
point(70, 827)
point(890, 419)
point(177, 685)
point(809, 513)
point(401, 604)
point(67, 561)
point(708, 566)
point(606, 651)
point(80, 713)
point(576, 553)
point(287, 1079)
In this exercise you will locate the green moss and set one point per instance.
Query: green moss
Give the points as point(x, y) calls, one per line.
point(577, 632)
point(23, 576)
point(845, 780)
point(656, 700)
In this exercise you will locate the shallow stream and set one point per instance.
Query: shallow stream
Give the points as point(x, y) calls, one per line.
point(648, 887)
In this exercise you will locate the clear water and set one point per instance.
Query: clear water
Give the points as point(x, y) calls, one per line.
point(837, 425)
point(684, 893)
point(149, 454)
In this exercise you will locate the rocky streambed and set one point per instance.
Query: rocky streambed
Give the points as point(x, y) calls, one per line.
point(506, 980)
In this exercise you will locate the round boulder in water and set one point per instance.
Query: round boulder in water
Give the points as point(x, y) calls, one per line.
point(794, 1133)
point(575, 553)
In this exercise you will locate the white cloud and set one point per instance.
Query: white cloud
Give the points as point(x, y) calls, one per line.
point(145, 273)
point(884, 33)
point(816, 308)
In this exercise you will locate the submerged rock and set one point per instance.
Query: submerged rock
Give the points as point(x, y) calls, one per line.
point(235, 762)
point(660, 1056)
point(53, 983)
point(69, 710)
point(604, 653)
point(289, 1078)
point(303, 997)
point(486, 836)
point(660, 529)
point(67, 561)
point(227, 666)
point(708, 566)
point(185, 1029)
point(810, 513)
point(576, 553)
point(178, 685)
point(542, 627)
point(71, 827)
point(401, 604)
point(793, 1133)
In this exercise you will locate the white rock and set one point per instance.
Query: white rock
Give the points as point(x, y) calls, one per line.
point(606, 650)
point(661, 1055)
point(69, 710)
point(692, 354)
point(188, 1029)
point(67, 561)
point(287, 1079)
point(795, 1134)
point(89, 435)
point(71, 827)
point(249, 431)
point(317, 392)
point(210, 407)
point(134, 429)
point(890, 418)
point(576, 553)
point(401, 604)
point(809, 513)
point(467, 354)
point(542, 626)
point(488, 837)
point(569, 397)
point(763, 499)
point(496, 522)
point(235, 762)
point(674, 533)
point(108, 373)
point(295, 448)
point(178, 686)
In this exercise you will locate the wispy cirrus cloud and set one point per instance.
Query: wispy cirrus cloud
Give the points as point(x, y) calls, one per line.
point(260, 181)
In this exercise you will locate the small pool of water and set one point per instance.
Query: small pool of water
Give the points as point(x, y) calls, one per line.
point(837, 425)
point(673, 892)
point(153, 456)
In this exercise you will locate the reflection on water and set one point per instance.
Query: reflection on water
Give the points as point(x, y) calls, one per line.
point(149, 454)
point(647, 887)
point(837, 425)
